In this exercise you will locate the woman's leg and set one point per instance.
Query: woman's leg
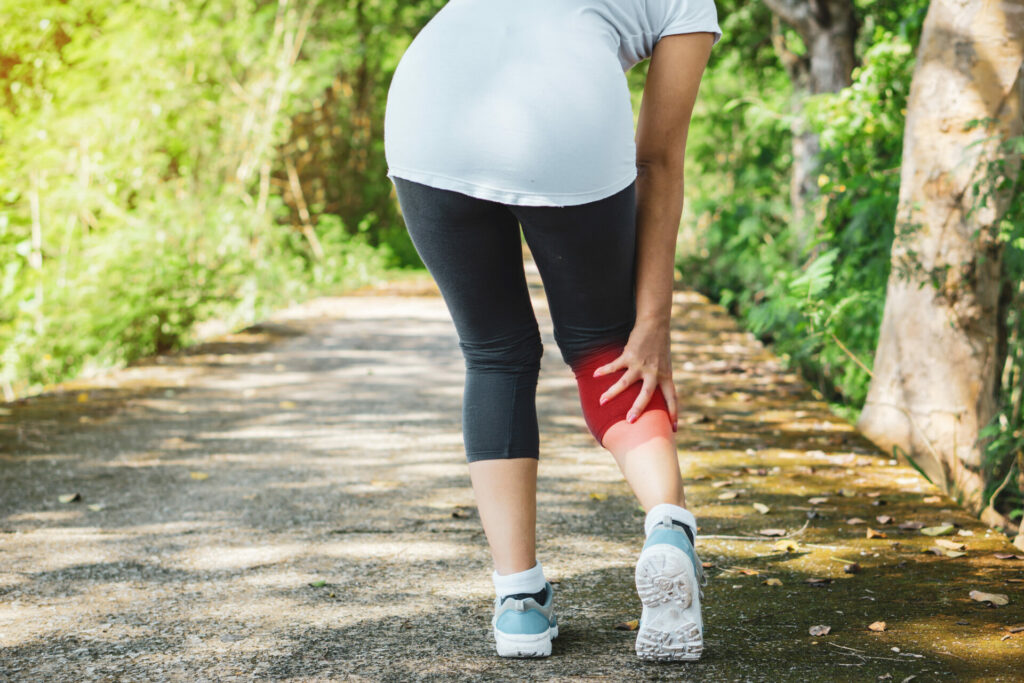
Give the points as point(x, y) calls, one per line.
point(586, 258)
point(473, 250)
point(506, 496)
point(646, 453)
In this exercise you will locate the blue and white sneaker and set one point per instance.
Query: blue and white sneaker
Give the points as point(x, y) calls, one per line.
point(524, 627)
point(669, 577)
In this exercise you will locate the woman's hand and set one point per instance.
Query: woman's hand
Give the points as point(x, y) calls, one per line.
point(647, 356)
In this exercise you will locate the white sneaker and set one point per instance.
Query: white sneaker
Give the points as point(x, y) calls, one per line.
point(669, 576)
point(524, 627)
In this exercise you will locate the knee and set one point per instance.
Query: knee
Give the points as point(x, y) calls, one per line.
point(600, 417)
point(515, 353)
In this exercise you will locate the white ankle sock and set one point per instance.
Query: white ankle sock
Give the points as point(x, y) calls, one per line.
point(679, 514)
point(529, 581)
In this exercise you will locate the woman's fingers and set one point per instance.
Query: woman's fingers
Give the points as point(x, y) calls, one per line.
point(628, 377)
point(668, 388)
point(612, 367)
point(644, 397)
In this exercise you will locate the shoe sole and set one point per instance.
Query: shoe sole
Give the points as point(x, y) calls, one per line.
point(666, 584)
point(525, 644)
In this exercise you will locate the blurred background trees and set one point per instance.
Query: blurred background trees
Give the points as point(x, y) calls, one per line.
point(163, 162)
point(166, 162)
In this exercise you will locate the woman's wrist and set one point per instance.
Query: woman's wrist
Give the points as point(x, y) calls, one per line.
point(653, 321)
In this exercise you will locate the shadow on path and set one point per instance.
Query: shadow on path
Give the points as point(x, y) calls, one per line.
point(291, 502)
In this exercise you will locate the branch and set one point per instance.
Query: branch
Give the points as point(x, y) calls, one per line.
point(851, 354)
point(793, 12)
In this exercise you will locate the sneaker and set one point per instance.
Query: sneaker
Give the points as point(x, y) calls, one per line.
point(669, 576)
point(523, 627)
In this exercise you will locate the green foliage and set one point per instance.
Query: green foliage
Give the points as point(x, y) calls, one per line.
point(1004, 449)
point(140, 167)
point(819, 302)
point(355, 46)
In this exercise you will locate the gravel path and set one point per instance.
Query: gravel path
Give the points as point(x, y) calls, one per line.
point(291, 503)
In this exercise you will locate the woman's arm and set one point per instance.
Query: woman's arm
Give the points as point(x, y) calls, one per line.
point(673, 78)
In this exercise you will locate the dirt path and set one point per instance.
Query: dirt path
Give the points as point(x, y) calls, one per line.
point(292, 503)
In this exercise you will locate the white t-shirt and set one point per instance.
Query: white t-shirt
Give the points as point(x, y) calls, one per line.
point(526, 101)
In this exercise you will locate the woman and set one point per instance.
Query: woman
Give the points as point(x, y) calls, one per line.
point(509, 113)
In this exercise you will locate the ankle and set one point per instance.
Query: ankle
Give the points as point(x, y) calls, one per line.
point(679, 515)
point(529, 582)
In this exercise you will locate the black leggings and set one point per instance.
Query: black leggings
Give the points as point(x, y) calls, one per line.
point(472, 248)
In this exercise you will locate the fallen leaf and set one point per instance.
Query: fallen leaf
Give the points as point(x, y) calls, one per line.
point(932, 499)
point(96, 507)
point(70, 497)
point(599, 496)
point(1015, 629)
point(994, 598)
point(874, 533)
point(762, 508)
point(817, 500)
point(631, 625)
point(199, 476)
point(707, 565)
point(873, 494)
point(883, 519)
point(318, 583)
point(952, 553)
point(952, 545)
point(287, 405)
point(847, 493)
point(772, 532)
point(941, 530)
point(772, 582)
point(749, 572)
point(855, 520)
point(819, 630)
point(83, 397)
point(912, 525)
point(787, 544)
point(877, 626)
point(720, 484)
point(1007, 556)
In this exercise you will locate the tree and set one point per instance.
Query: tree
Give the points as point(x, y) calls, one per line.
point(828, 29)
point(940, 349)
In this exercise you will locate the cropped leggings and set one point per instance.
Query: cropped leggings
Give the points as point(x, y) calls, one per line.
point(585, 255)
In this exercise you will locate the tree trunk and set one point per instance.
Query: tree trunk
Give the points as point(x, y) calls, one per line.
point(828, 29)
point(937, 366)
